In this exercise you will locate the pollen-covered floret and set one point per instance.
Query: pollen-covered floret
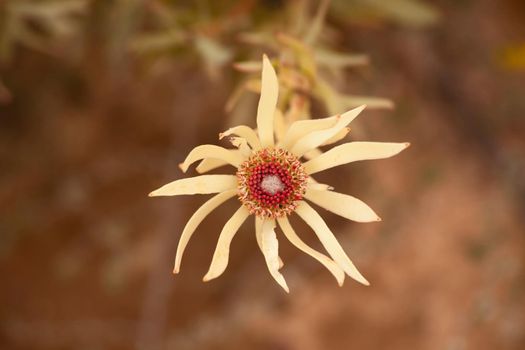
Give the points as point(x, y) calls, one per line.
point(270, 183)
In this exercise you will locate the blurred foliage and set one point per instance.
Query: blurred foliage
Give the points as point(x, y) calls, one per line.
point(414, 13)
point(171, 30)
point(308, 66)
point(161, 31)
point(39, 25)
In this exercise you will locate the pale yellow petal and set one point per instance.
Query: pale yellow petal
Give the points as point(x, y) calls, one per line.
point(195, 221)
point(270, 249)
point(337, 137)
point(222, 251)
point(208, 164)
point(211, 151)
point(352, 152)
point(318, 186)
point(245, 132)
point(301, 128)
point(258, 236)
point(248, 66)
point(317, 138)
point(316, 152)
point(350, 101)
point(267, 103)
point(202, 184)
point(328, 240)
point(289, 232)
point(242, 146)
point(341, 204)
point(279, 125)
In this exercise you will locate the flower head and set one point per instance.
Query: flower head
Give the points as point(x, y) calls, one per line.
point(272, 182)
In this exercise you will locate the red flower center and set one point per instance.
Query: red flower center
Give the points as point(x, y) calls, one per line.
point(270, 182)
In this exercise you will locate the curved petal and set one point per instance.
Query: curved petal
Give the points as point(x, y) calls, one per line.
point(267, 103)
point(349, 101)
point(242, 146)
point(352, 152)
point(301, 128)
point(245, 132)
point(270, 249)
point(258, 236)
point(318, 186)
point(195, 221)
point(197, 185)
point(316, 152)
point(208, 164)
point(289, 232)
point(330, 243)
point(341, 204)
point(279, 125)
point(337, 137)
point(211, 151)
point(317, 138)
point(222, 251)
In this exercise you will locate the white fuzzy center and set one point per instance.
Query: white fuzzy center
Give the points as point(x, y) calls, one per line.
point(272, 184)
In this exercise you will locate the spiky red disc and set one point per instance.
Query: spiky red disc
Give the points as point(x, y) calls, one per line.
point(270, 183)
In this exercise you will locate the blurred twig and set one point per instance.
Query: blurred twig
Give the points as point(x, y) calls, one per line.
point(41, 26)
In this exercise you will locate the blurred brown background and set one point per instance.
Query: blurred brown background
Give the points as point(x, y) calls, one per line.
point(89, 127)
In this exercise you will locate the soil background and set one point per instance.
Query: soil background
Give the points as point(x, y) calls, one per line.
point(86, 257)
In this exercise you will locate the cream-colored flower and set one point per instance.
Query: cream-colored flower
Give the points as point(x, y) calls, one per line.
point(272, 182)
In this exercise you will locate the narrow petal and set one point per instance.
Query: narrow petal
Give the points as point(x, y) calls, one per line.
point(337, 137)
point(341, 204)
point(301, 128)
point(317, 138)
point(350, 101)
point(208, 164)
point(279, 125)
point(195, 221)
point(258, 236)
point(248, 66)
point(328, 240)
point(316, 152)
point(318, 186)
point(352, 152)
point(242, 146)
point(211, 151)
point(202, 184)
point(245, 132)
point(316, 26)
point(222, 251)
point(270, 249)
point(267, 103)
point(289, 232)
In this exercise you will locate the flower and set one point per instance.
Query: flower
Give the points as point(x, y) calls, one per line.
point(272, 183)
